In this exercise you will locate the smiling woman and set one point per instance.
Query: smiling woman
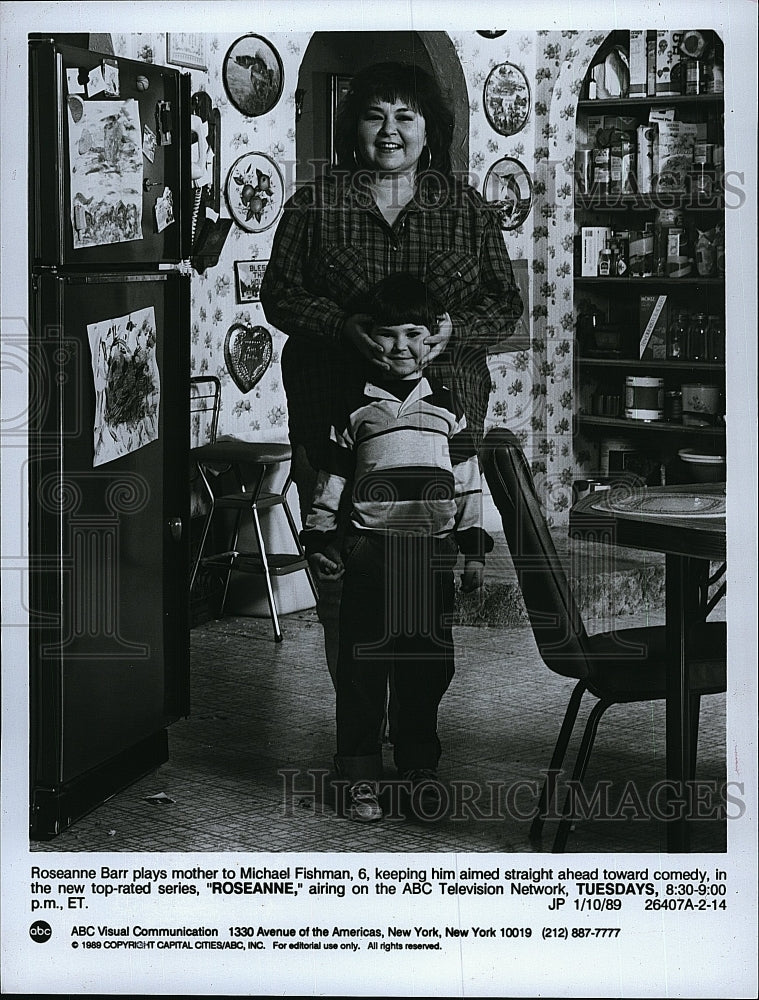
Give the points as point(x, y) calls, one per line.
point(391, 137)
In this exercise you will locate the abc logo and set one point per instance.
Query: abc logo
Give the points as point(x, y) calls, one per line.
point(40, 931)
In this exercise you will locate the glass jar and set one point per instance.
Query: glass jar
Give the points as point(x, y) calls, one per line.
point(715, 339)
point(673, 406)
point(698, 339)
point(677, 337)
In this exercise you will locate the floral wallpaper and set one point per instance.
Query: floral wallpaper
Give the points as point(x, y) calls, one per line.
point(532, 388)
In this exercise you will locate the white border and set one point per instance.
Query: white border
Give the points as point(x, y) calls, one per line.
point(684, 962)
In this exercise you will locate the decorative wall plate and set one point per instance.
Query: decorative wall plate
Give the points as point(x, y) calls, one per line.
point(253, 75)
point(247, 354)
point(254, 192)
point(506, 98)
point(508, 187)
point(492, 34)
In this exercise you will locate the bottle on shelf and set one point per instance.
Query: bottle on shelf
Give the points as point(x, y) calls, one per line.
point(677, 337)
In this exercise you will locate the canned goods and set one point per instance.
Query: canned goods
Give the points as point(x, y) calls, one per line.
point(644, 398)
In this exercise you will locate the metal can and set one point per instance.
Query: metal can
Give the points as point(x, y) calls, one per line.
point(644, 398)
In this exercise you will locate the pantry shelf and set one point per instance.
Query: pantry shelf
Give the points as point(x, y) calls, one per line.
point(649, 282)
point(647, 203)
point(652, 426)
point(697, 367)
point(627, 104)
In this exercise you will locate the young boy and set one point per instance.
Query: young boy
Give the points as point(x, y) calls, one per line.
point(405, 470)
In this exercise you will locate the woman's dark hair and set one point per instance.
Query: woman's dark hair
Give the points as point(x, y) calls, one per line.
point(401, 298)
point(392, 81)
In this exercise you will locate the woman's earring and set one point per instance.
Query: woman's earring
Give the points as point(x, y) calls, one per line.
point(429, 158)
point(355, 159)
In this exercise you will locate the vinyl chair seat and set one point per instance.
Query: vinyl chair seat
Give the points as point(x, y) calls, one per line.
point(619, 675)
point(232, 450)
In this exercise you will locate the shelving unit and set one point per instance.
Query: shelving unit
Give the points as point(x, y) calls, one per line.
point(601, 374)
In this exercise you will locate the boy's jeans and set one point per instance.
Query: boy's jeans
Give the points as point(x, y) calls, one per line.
point(395, 622)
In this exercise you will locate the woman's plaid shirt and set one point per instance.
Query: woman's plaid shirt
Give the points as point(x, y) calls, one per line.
point(332, 244)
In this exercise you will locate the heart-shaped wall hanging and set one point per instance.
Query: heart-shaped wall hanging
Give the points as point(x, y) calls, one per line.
point(247, 353)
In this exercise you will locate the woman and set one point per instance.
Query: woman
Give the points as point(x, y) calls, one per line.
point(392, 205)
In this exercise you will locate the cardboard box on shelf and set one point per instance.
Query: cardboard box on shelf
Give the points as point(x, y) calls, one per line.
point(637, 64)
point(653, 327)
point(670, 63)
point(673, 154)
point(651, 64)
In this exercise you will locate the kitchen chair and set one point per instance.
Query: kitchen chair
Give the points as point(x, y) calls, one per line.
point(625, 665)
point(246, 461)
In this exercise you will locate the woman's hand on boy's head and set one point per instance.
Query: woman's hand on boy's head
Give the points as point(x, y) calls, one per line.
point(437, 341)
point(356, 331)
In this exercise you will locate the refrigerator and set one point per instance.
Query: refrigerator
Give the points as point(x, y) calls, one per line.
point(110, 190)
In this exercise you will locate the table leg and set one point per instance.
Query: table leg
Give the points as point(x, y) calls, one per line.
point(682, 609)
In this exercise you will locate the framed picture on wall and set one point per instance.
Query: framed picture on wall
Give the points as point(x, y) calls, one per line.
point(339, 85)
point(253, 75)
point(186, 48)
point(254, 192)
point(508, 188)
point(506, 99)
point(248, 277)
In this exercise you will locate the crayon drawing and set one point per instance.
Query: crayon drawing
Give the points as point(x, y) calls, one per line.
point(105, 163)
point(127, 384)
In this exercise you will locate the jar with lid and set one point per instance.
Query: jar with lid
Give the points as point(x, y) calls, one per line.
point(715, 339)
point(677, 337)
point(697, 349)
point(673, 406)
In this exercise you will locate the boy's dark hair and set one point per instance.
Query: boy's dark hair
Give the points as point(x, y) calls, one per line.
point(401, 298)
